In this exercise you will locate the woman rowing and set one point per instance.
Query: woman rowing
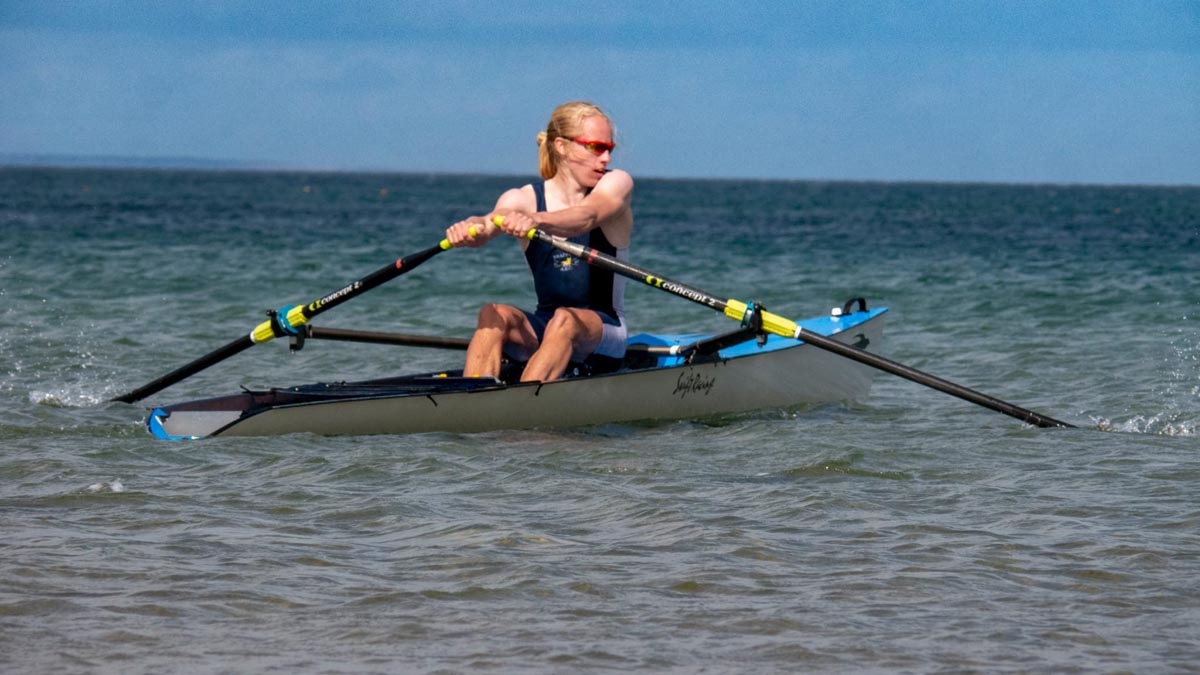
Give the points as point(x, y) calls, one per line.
point(580, 315)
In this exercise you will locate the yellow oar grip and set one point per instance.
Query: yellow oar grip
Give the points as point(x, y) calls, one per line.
point(498, 221)
point(445, 244)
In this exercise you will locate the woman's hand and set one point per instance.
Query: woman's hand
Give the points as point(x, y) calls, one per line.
point(513, 223)
point(470, 233)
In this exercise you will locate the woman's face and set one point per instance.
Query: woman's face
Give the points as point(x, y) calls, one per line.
point(586, 165)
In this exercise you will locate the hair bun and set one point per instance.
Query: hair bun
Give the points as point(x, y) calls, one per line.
point(541, 138)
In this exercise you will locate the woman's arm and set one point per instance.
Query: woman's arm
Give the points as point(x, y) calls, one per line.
point(607, 206)
point(515, 199)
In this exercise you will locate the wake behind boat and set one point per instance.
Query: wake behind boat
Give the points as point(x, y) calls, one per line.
point(662, 377)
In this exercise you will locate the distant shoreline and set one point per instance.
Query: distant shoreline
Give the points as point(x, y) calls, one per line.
point(127, 162)
point(40, 161)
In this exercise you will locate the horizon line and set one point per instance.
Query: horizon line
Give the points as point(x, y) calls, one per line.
point(15, 160)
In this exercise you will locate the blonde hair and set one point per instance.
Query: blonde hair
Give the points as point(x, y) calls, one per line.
point(565, 122)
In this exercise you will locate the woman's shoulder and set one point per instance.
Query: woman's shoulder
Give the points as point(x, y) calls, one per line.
point(518, 199)
point(616, 182)
point(619, 176)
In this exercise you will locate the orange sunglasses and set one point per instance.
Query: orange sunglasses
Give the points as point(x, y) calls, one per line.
point(598, 147)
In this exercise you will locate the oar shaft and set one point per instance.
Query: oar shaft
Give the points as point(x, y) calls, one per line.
point(183, 372)
point(593, 257)
point(374, 279)
point(773, 323)
point(291, 320)
point(434, 342)
point(373, 337)
point(298, 316)
point(929, 380)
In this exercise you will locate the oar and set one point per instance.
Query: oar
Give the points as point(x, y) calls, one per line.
point(312, 332)
point(778, 325)
point(287, 321)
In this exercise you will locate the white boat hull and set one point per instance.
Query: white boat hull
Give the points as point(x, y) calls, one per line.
point(784, 374)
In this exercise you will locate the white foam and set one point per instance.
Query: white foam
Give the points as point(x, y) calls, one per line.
point(1141, 424)
point(65, 399)
point(114, 486)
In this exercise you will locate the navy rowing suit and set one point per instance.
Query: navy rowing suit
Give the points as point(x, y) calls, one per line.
point(562, 280)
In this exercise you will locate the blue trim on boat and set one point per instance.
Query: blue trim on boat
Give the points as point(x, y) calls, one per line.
point(822, 325)
point(154, 424)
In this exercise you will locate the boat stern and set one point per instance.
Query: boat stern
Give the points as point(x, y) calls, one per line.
point(197, 419)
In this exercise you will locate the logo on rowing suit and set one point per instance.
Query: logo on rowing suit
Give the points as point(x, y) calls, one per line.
point(563, 262)
point(693, 383)
point(861, 341)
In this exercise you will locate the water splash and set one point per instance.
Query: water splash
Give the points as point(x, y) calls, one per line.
point(1177, 386)
point(66, 398)
point(1162, 424)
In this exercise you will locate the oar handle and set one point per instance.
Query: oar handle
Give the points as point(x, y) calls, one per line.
point(445, 244)
point(498, 221)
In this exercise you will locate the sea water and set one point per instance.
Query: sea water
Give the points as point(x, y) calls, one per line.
point(906, 532)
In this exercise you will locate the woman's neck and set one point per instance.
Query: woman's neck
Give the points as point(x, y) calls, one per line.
point(567, 189)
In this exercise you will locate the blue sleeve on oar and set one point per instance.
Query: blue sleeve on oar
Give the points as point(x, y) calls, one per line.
point(283, 323)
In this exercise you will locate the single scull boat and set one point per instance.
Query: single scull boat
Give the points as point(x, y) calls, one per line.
point(663, 377)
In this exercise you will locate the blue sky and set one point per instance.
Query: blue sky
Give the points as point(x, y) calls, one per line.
point(1053, 91)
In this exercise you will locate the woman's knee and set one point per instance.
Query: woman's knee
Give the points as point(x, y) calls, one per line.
point(564, 321)
point(494, 316)
point(582, 327)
